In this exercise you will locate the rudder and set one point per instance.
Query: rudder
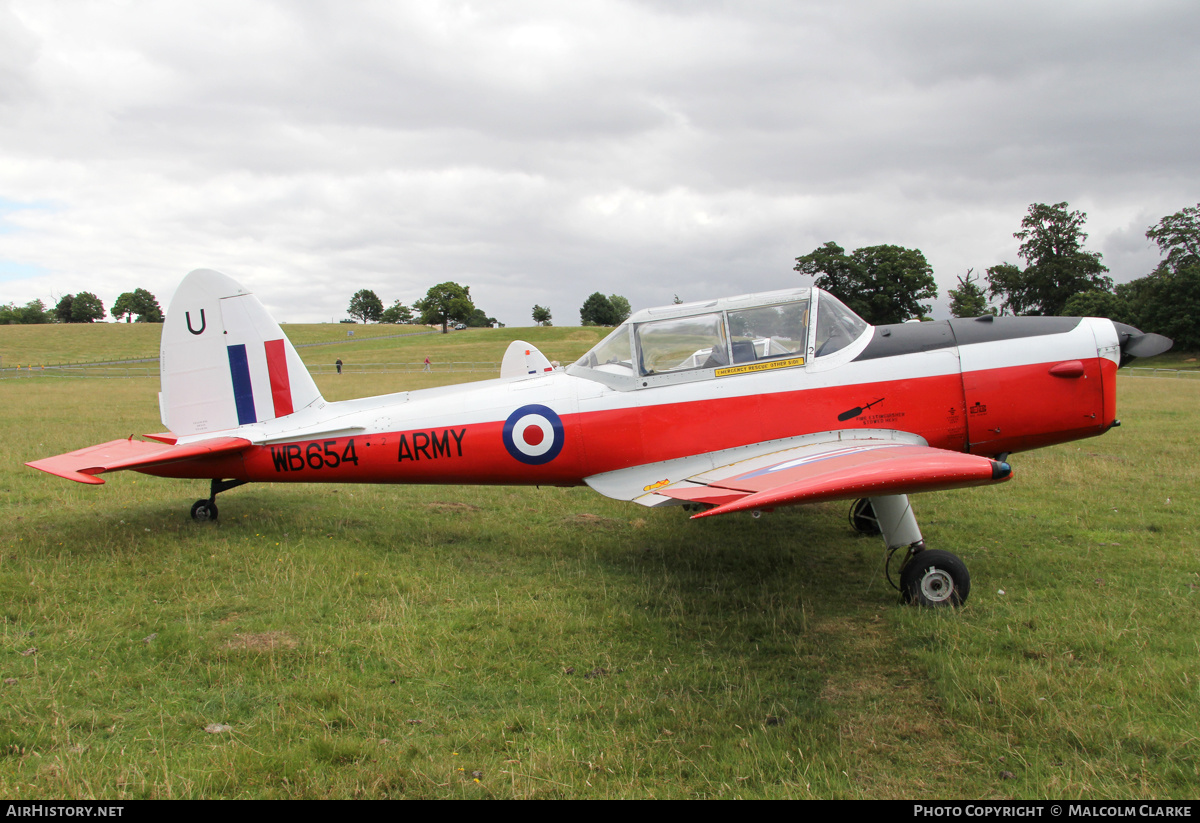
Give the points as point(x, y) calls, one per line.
point(224, 361)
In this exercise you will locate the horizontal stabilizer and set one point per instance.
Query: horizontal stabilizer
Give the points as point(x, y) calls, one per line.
point(82, 465)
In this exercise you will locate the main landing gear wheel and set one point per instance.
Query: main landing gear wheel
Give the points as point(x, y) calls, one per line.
point(935, 578)
point(862, 517)
point(204, 510)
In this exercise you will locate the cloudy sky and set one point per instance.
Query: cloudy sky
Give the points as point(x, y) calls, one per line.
point(540, 151)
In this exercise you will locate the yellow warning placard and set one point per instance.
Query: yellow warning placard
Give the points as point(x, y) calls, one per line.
point(768, 365)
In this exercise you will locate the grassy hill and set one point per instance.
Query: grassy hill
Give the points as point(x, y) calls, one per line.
point(77, 343)
point(320, 344)
point(57, 344)
point(565, 344)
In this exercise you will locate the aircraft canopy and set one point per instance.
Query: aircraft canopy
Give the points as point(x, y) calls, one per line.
point(694, 341)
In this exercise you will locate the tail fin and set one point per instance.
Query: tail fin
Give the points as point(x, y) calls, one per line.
point(224, 362)
point(524, 360)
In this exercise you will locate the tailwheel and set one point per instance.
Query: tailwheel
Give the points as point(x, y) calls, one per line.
point(863, 519)
point(935, 578)
point(204, 510)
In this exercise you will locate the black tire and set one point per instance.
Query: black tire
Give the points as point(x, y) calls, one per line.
point(862, 518)
point(935, 578)
point(203, 511)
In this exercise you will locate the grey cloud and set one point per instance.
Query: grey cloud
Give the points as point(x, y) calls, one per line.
point(539, 152)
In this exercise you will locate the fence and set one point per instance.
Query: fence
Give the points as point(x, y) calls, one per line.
point(150, 369)
point(80, 371)
point(384, 368)
point(1183, 374)
point(121, 368)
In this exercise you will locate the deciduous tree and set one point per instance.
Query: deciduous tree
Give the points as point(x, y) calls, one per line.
point(541, 315)
point(883, 284)
point(396, 313)
point(31, 313)
point(62, 309)
point(87, 308)
point(621, 307)
point(84, 307)
point(1007, 281)
point(969, 299)
point(445, 303)
point(366, 306)
point(1178, 238)
point(598, 310)
point(1167, 302)
point(1097, 303)
point(138, 302)
point(1057, 265)
point(480, 320)
point(123, 307)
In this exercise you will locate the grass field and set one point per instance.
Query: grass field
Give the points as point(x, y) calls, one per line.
point(565, 344)
point(319, 343)
point(344, 641)
point(56, 344)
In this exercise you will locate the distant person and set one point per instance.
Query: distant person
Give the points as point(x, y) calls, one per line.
point(427, 368)
point(339, 366)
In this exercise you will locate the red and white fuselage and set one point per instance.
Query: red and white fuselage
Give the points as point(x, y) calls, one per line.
point(988, 387)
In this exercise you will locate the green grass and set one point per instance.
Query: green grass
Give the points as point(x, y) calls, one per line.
point(565, 344)
point(77, 343)
point(1183, 360)
point(56, 344)
point(392, 641)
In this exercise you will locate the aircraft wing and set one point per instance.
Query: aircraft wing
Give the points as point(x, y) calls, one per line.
point(82, 465)
point(843, 466)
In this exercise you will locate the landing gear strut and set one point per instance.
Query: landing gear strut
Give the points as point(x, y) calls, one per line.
point(862, 517)
point(928, 577)
point(206, 510)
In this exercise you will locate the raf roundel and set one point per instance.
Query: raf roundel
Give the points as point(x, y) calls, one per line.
point(533, 434)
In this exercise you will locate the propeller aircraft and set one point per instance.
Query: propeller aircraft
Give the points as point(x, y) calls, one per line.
point(739, 404)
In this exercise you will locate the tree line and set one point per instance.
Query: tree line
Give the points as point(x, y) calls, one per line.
point(138, 306)
point(442, 305)
point(597, 310)
point(1165, 301)
point(448, 303)
point(883, 284)
point(891, 284)
point(887, 284)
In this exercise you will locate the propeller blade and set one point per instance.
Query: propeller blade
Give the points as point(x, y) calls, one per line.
point(1148, 345)
point(1136, 343)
